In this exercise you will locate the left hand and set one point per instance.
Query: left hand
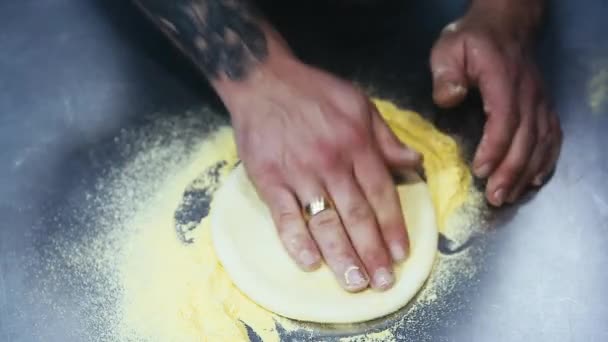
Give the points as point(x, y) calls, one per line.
point(522, 136)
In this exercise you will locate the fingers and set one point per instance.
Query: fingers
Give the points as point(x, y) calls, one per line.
point(522, 139)
point(377, 186)
point(502, 181)
point(360, 224)
point(395, 153)
point(498, 93)
point(294, 234)
point(327, 230)
point(535, 148)
point(448, 69)
point(539, 155)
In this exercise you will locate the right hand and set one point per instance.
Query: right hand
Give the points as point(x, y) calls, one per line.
point(303, 133)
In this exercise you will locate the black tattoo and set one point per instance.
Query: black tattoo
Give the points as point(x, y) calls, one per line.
point(223, 37)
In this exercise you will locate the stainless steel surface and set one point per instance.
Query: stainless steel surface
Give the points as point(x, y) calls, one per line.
point(73, 73)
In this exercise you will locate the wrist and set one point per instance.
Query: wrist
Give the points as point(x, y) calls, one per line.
point(260, 74)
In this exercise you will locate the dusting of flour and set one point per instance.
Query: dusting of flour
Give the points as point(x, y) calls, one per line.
point(141, 274)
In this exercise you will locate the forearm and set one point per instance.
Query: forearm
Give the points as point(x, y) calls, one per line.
point(522, 17)
point(228, 40)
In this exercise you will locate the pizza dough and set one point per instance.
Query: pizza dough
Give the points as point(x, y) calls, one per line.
point(247, 245)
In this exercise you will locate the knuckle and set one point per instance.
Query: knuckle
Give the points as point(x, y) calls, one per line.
point(544, 137)
point(294, 242)
point(287, 221)
point(381, 190)
point(499, 142)
point(504, 122)
point(537, 90)
point(325, 220)
point(343, 257)
point(515, 119)
point(354, 136)
point(359, 212)
point(512, 168)
point(476, 38)
point(376, 257)
point(393, 227)
point(327, 157)
point(533, 138)
point(264, 170)
point(516, 67)
point(319, 154)
point(352, 102)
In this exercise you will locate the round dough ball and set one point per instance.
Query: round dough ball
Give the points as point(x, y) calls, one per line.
point(247, 245)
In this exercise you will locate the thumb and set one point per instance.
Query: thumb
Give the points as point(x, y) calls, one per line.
point(448, 68)
point(396, 154)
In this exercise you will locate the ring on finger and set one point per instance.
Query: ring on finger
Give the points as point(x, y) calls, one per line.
point(316, 206)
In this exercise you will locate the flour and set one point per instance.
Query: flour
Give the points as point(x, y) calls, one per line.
point(597, 87)
point(148, 272)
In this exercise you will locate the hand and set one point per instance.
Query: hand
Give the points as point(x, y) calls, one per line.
point(302, 133)
point(522, 136)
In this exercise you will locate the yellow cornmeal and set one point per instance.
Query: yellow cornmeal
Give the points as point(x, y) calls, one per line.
point(448, 177)
point(174, 292)
point(177, 292)
point(597, 88)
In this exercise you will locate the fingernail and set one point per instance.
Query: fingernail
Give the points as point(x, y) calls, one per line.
point(397, 252)
point(499, 196)
point(383, 279)
point(308, 259)
point(538, 180)
point(354, 277)
point(483, 171)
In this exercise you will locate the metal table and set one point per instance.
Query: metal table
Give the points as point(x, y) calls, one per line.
point(73, 73)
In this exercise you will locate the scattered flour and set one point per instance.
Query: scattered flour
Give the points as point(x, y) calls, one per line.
point(137, 279)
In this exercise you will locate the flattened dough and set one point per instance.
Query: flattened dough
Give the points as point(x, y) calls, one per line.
point(247, 245)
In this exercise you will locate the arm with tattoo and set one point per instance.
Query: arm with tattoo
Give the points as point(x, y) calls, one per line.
point(224, 38)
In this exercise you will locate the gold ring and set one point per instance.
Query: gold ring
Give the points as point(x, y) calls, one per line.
point(316, 206)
